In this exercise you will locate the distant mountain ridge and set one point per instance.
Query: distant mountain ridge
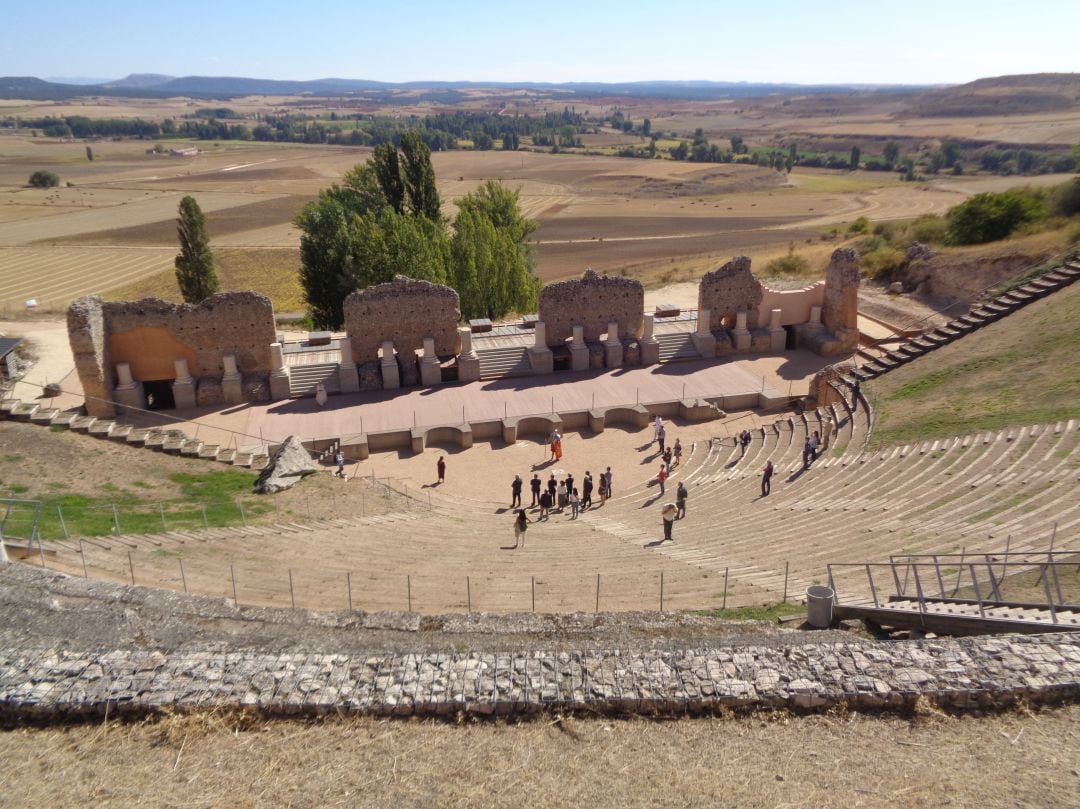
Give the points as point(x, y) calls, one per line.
point(1043, 90)
point(154, 85)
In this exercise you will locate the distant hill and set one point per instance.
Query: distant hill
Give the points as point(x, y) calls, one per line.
point(224, 87)
point(1002, 95)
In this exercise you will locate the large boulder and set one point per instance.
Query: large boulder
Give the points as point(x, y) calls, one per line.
point(290, 463)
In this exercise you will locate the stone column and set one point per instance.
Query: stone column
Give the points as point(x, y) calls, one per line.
point(815, 316)
point(650, 349)
point(613, 347)
point(279, 375)
point(468, 362)
point(740, 335)
point(183, 387)
point(777, 335)
point(128, 392)
point(430, 371)
point(704, 340)
point(232, 383)
point(579, 352)
point(391, 375)
point(348, 378)
point(541, 360)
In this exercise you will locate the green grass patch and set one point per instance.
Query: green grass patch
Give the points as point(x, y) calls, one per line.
point(1023, 369)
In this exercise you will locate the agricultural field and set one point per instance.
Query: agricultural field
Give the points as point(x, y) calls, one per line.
point(109, 228)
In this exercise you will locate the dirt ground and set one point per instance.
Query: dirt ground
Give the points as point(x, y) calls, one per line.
point(1026, 759)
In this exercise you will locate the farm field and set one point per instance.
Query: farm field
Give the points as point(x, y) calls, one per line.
point(110, 227)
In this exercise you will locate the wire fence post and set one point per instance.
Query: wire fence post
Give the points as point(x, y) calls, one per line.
point(348, 587)
point(116, 519)
point(661, 591)
point(724, 607)
point(183, 577)
point(131, 567)
point(597, 593)
point(292, 593)
point(161, 508)
point(468, 593)
point(532, 585)
point(232, 575)
point(205, 522)
point(243, 517)
point(82, 556)
point(785, 580)
point(408, 590)
point(63, 525)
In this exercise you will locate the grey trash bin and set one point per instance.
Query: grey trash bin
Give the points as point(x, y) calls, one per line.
point(819, 604)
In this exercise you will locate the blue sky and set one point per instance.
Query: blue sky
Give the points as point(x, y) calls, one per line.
point(574, 40)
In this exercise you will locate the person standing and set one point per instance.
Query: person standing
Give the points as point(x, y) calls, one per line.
point(551, 442)
point(561, 496)
point(667, 514)
point(807, 454)
point(556, 445)
point(534, 486)
point(552, 486)
point(658, 425)
point(766, 479)
point(545, 505)
point(604, 491)
point(521, 525)
point(575, 503)
point(815, 442)
point(680, 500)
point(608, 477)
point(677, 451)
point(569, 483)
point(744, 441)
point(661, 434)
point(586, 490)
point(661, 476)
point(441, 467)
point(515, 490)
point(340, 460)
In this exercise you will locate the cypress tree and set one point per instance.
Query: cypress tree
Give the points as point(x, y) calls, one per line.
point(195, 263)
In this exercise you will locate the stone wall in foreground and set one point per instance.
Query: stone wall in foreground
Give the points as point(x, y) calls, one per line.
point(48, 682)
point(405, 311)
point(592, 301)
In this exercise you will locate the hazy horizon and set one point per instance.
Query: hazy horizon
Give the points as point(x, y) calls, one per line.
point(603, 41)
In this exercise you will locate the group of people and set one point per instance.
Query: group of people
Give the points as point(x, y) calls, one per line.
point(556, 495)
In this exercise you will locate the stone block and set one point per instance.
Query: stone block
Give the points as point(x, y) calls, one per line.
point(760, 341)
point(408, 368)
point(232, 389)
point(541, 360)
point(348, 378)
point(579, 357)
point(596, 356)
point(705, 344)
point(613, 356)
point(184, 394)
point(632, 353)
point(468, 368)
point(279, 386)
point(131, 395)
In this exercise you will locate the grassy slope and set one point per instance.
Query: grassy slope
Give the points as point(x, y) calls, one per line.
point(1024, 369)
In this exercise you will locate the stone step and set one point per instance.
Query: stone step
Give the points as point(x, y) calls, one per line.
point(120, 432)
point(191, 447)
point(226, 455)
point(677, 346)
point(45, 415)
point(24, 410)
point(155, 439)
point(137, 437)
point(173, 444)
point(64, 418)
point(101, 428)
point(209, 452)
point(503, 362)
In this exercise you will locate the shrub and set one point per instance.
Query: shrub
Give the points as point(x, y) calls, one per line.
point(860, 225)
point(1074, 236)
point(929, 229)
point(1067, 198)
point(882, 262)
point(789, 265)
point(988, 217)
point(44, 179)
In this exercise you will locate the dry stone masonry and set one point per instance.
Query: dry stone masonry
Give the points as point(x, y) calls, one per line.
point(49, 682)
point(728, 290)
point(227, 335)
point(592, 301)
point(403, 311)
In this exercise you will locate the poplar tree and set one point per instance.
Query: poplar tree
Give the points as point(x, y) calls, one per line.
point(195, 263)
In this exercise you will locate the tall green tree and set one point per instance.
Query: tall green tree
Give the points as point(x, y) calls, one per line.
point(856, 156)
point(195, 272)
point(328, 271)
point(387, 169)
point(421, 194)
point(891, 152)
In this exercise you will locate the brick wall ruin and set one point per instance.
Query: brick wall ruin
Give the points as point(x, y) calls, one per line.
point(730, 289)
point(150, 334)
point(592, 301)
point(841, 309)
point(405, 311)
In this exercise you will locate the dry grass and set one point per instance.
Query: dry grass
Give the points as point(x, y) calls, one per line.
point(273, 272)
point(1019, 759)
